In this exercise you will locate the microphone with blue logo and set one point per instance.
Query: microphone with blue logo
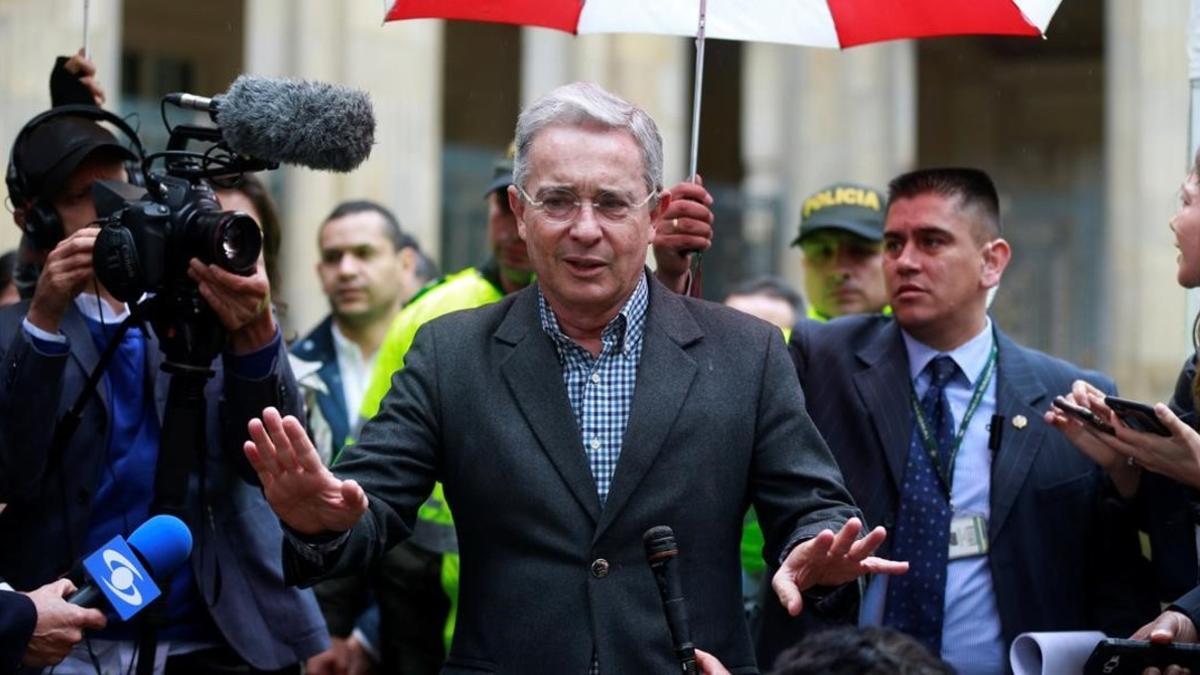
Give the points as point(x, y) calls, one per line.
point(124, 573)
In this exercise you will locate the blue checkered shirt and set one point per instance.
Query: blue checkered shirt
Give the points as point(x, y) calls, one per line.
point(600, 388)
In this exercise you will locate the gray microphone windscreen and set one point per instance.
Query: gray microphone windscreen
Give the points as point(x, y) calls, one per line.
point(313, 124)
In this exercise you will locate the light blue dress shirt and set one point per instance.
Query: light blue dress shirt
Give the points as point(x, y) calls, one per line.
point(971, 639)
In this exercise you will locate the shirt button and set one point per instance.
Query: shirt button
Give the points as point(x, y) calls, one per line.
point(595, 378)
point(595, 443)
point(599, 568)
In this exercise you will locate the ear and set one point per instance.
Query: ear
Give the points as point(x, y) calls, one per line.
point(407, 257)
point(19, 218)
point(517, 205)
point(996, 255)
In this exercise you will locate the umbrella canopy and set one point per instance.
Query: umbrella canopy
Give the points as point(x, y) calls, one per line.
point(816, 23)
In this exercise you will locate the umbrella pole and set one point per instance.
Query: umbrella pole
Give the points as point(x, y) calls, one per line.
point(697, 90)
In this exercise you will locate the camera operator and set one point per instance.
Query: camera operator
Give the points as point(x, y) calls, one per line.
point(229, 610)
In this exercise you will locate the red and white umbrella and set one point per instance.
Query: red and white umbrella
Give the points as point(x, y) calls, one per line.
point(815, 23)
point(836, 24)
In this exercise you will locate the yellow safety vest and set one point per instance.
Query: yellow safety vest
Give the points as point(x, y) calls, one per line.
point(467, 289)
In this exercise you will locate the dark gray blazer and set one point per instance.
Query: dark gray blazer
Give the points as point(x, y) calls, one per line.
point(1064, 549)
point(717, 423)
point(236, 535)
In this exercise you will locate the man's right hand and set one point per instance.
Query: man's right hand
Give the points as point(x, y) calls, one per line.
point(302, 492)
point(59, 624)
point(67, 271)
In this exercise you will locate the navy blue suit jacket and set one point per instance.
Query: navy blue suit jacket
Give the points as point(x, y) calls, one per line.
point(235, 556)
point(318, 346)
point(18, 617)
point(1064, 548)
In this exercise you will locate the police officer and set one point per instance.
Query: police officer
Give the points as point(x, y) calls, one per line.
point(841, 234)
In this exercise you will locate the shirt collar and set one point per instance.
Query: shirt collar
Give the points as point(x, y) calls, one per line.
point(624, 330)
point(342, 344)
point(971, 356)
point(92, 307)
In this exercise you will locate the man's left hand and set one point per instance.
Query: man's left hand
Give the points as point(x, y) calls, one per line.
point(830, 559)
point(685, 227)
point(243, 304)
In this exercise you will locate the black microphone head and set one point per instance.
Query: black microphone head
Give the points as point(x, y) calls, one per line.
point(660, 543)
point(313, 124)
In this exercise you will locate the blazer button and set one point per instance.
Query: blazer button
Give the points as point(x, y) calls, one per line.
point(599, 568)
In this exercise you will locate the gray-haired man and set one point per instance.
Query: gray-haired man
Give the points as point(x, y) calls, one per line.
point(600, 404)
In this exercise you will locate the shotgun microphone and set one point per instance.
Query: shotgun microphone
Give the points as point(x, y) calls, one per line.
point(661, 551)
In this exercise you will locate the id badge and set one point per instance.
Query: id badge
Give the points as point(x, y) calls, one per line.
point(968, 536)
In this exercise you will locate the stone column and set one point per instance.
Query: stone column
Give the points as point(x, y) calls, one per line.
point(32, 34)
point(652, 71)
point(816, 116)
point(400, 65)
point(1147, 333)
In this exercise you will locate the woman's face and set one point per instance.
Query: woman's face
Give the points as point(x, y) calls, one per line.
point(1186, 226)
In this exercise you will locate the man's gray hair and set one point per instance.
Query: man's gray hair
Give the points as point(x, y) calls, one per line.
point(582, 103)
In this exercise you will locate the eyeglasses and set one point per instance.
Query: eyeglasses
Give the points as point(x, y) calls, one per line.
point(562, 205)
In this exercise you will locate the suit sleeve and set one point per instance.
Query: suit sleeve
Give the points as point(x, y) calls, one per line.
point(1189, 604)
point(244, 398)
point(18, 617)
point(1123, 597)
point(798, 488)
point(30, 390)
point(395, 462)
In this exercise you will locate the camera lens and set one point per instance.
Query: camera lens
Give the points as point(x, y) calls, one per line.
point(230, 239)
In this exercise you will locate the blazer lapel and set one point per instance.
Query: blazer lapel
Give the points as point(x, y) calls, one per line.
point(83, 348)
point(884, 388)
point(533, 377)
point(1018, 392)
point(664, 375)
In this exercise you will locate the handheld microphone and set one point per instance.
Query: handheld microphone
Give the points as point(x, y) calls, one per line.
point(123, 574)
point(661, 551)
point(314, 124)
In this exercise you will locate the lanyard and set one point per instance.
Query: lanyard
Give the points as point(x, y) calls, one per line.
point(927, 438)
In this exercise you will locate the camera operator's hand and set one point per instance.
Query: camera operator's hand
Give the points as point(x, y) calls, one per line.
point(59, 624)
point(243, 304)
point(300, 489)
point(685, 227)
point(67, 271)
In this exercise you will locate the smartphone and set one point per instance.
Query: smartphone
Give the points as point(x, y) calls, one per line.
point(1137, 416)
point(1131, 657)
point(1084, 414)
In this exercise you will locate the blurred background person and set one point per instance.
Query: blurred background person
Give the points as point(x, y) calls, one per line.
point(249, 195)
point(841, 235)
point(769, 298)
point(368, 270)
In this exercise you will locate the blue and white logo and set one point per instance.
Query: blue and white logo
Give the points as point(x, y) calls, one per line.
point(121, 578)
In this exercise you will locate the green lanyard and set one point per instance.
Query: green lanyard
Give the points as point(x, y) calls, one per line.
point(927, 439)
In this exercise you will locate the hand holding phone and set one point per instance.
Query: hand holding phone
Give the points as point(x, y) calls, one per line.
point(1084, 414)
point(1132, 657)
point(1137, 416)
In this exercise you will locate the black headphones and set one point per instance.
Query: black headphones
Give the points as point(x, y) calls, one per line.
point(41, 222)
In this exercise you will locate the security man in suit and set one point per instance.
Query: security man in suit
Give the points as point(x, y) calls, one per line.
point(935, 418)
point(567, 419)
